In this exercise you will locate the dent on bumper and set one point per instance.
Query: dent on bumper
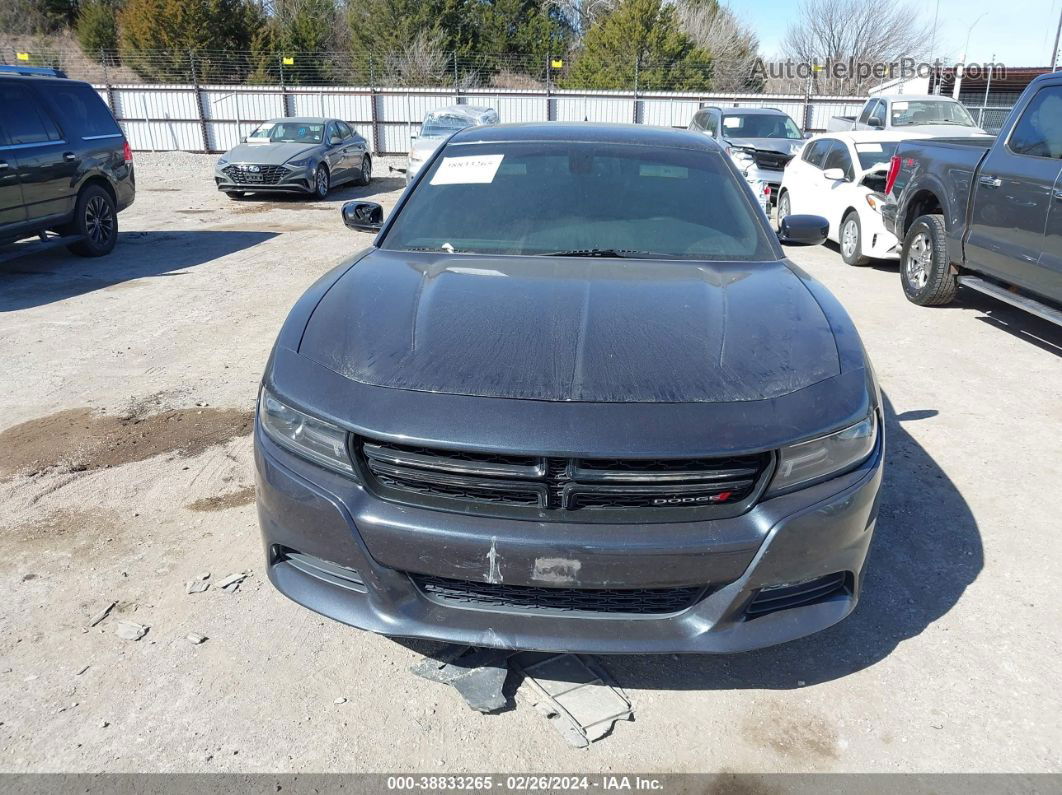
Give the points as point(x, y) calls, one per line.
point(796, 537)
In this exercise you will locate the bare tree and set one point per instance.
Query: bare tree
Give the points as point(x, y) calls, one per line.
point(733, 45)
point(868, 32)
point(582, 14)
point(421, 63)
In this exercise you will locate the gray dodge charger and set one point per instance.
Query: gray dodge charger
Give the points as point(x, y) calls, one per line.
point(572, 398)
point(295, 155)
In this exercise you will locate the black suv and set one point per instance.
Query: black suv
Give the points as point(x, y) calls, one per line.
point(65, 166)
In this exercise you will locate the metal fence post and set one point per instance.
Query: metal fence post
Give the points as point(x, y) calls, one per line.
point(199, 103)
point(637, 68)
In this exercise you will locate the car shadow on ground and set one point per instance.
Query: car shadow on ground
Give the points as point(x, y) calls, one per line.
point(925, 553)
point(343, 193)
point(1027, 327)
point(39, 278)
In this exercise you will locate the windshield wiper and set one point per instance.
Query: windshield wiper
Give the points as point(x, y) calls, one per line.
point(600, 252)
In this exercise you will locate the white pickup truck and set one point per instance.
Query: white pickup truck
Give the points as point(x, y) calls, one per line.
point(929, 115)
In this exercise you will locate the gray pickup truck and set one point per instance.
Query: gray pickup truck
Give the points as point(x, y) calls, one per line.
point(985, 213)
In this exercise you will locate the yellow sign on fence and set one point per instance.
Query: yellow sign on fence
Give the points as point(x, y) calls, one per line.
point(22, 56)
point(557, 63)
point(289, 62)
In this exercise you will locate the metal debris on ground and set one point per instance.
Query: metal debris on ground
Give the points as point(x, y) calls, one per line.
point(195, 639)
point(477, 674)
point(576, 695)
point(101, 615)
point(129, 630)
point(83, 669)
point(232, 583)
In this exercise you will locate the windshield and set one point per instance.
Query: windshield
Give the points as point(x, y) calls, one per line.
point(582, 199)
point(437, 125)
point(909, 112)
point(760, 125)
point(288, 132)
point(874, 154)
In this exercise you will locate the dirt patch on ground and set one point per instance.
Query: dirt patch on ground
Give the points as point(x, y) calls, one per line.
point(222, 502)
point(76, 440)
point(59, 525)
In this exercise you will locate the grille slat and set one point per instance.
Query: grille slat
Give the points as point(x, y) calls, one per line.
point(489, 596)
point(265, 175)
point(551, 487)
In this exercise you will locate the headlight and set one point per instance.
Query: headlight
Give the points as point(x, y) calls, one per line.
point(222, 160)
point(800, 464)
point(875, 200)
point(320, 441)
point(301, 163)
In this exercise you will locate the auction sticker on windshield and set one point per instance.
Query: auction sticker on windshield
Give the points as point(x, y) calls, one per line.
point(472, 170)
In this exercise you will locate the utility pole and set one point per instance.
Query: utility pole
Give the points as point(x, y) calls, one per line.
point(1054, 50)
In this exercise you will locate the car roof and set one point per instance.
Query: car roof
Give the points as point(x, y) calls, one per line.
point(302, 119)
point(908, 97)
point(585, 132)
point(753, 111)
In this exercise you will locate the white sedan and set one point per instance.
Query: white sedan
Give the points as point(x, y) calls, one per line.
point(842, 176)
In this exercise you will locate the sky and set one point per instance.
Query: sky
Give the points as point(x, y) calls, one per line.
point(1019, 33)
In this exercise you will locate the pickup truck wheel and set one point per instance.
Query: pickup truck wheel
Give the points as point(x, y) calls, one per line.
point(925, 269)
point(852, 240)
point(96, 220)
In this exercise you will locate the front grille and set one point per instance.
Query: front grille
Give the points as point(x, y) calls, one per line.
point(556, 488)
point(774, 161)
point(250, 174)
point(770, 600)
point(487, 596)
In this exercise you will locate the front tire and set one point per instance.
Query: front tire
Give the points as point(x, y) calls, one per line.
point(782, 210)
point(322, 182)
point(851, 239)
point(925, 268)
point(366, 172)
point(96, 220)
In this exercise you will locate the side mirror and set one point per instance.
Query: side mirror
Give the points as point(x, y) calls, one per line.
point(335, 139)
point(363, 216)
point(833, 174)
point(413, 136)
point(876, 123)
point(808, 134)
point(810, 230)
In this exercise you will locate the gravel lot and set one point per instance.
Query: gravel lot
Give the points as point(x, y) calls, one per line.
point(125, 472)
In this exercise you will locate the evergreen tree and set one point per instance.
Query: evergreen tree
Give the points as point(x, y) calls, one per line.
point(155, 38)
point(640, 43)
point(97, 28)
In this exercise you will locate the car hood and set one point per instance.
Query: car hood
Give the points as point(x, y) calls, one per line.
point(569, 329)
point(268, 154)
point(785, 146)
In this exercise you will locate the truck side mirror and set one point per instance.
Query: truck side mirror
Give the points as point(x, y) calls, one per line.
point(876, 122)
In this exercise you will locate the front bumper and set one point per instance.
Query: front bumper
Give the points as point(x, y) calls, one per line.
point(296, 180)
point(878, 242)
point(754, 174)
point(819, 531)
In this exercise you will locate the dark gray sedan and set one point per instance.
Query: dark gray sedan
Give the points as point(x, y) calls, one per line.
point(302, 154)
point(563, 402)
